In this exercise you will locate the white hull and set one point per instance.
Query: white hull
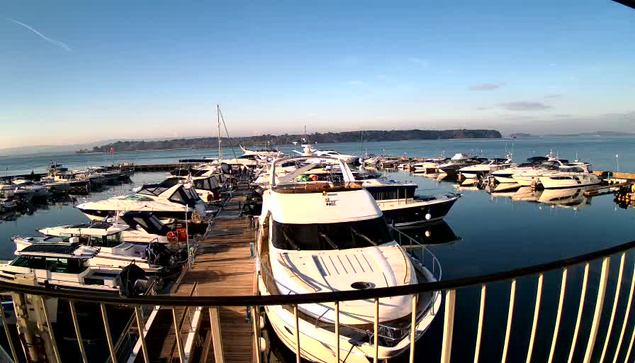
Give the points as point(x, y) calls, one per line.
point(319, 345)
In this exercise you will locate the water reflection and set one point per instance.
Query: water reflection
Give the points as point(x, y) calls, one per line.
point(435, 233)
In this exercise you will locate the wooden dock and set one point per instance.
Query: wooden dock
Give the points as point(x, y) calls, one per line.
point(223, 266)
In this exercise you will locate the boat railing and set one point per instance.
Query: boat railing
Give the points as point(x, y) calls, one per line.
point(604, 328)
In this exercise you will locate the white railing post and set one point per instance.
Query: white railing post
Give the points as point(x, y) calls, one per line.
point(80, 342)
point(479, 329)
point(111, 347)
point(337, 332)
point(376, 330)
point(255, 316)
point(563, 287)
point(585, 280)
point(618, 286)
point(177, 335)
point(534, 325)
point(413, 327)
point(142, 338)
point(599, 303)
point(510, 316)
point(625, 321)
point(448, 325)
point(297, 333)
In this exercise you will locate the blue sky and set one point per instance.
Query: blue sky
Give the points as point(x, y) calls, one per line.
point(77, 72)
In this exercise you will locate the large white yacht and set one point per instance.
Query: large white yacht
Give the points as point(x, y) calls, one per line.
point(67, 266)
point(164, 201)
point(331, 236)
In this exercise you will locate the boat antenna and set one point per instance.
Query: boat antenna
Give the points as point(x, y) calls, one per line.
point(220, 149)
point(227, 132)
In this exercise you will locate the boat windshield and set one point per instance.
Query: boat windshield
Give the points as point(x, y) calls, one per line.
point(53, 264)
point(331, 236)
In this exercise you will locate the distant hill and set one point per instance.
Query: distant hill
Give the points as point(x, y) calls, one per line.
point(286, 139)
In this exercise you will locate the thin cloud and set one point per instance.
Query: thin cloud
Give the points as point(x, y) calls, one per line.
point(553, 96)
point(524, 106)
point(486, 87)
point(57, 43)
point(419, 61)
point(355, 82)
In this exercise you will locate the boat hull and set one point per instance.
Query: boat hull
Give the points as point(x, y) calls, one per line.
point(416, 212)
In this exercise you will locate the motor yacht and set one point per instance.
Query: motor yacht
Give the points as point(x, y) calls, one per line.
point(38, 191)
point(207, 187)
point(570, 178)
point(478, 171)
point(135, 227)
point(67, 266)
point(458, 161)
point(331, 236)
point(113, 251)
point(165, 201)
point(401, 207)
point(429, 165)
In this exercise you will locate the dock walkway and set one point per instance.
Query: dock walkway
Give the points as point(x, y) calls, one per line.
point(223, 266)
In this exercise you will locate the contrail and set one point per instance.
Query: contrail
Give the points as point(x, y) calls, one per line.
point(52, 41)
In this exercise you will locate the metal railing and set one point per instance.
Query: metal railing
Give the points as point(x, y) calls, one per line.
point(614, 342)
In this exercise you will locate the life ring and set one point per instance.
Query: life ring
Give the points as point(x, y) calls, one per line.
point(172, 237)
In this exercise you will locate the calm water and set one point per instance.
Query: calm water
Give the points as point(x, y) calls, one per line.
point(495, 233)
point(601, 151)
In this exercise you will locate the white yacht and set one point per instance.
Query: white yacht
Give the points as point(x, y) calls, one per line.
point(135, 227)
point(38, 191)
point(112, 251)
point(325, 237)
point(207, 187)
point(68, 267)
point(484, 168)
point(571, 178)
point(162, 200)
point(429, 165)
point(458, 161)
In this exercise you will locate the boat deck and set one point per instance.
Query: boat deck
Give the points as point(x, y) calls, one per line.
point(223, 266)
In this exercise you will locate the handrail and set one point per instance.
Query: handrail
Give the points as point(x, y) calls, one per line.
point(252, 300)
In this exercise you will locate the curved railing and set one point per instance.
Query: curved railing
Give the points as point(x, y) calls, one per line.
point(449, 287)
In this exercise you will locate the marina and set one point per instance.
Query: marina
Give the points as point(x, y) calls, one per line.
point(225, 263)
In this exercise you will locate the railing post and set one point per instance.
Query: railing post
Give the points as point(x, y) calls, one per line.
point(585, 280)
point(448, 325)
point(177, 335)
point(413, 327)
point(534, 325)
point(599, 303)
point(510, 316)
point(626, 314)
point(8, 333)
point(376, 332)
point(111, 347)
point(80, 342)
point(618, 286)
point(142, 338)
point(255, 320)
point(563, 287)
point(479, 329)
point(297, 333)
point(337, 332)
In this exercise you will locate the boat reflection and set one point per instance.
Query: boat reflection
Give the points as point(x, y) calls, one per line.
point(572, 198)
point(435, 233)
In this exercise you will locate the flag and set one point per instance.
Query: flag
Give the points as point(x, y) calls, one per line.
point(112, 150)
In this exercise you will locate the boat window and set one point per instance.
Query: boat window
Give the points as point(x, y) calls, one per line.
point(330, 236)
point(178, 197)
point(200, 184)
point(141, 222)
point(112, 239)
point(30, 262)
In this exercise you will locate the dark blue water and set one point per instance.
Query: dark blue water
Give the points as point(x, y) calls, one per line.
point(496, 233)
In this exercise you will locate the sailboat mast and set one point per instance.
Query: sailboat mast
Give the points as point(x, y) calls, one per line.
point(220, 148)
